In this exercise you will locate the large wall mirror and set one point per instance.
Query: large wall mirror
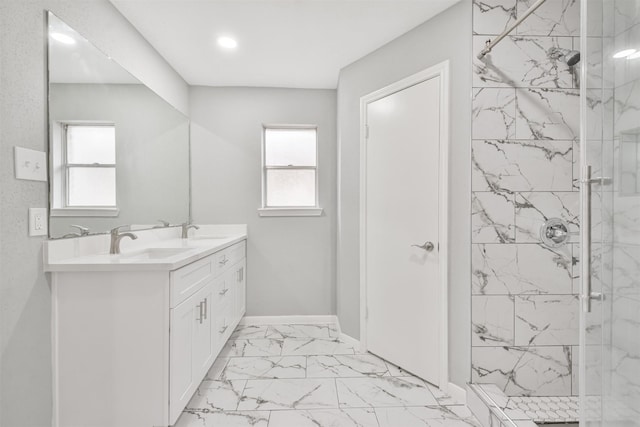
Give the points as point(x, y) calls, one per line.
point(118, 153)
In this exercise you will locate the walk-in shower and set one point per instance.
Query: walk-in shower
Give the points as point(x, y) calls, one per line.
point(610, 323)
point(556, 141)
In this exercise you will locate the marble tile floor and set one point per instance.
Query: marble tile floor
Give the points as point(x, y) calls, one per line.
point(304, 375)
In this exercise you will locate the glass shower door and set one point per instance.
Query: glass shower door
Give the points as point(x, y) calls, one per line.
point(609, 373)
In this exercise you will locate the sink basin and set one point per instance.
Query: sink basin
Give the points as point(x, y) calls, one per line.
point(155, 253)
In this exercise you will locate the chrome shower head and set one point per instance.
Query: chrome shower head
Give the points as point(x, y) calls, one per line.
point(571, 57)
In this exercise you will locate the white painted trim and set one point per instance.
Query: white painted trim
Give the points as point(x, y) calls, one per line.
point(290, 211)
point(458, 393)
point(289, 320)
point(308, 210)
point(82, 212)
point(440, 70)
point(55, 377)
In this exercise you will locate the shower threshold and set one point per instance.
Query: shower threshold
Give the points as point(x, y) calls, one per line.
point(494, 409)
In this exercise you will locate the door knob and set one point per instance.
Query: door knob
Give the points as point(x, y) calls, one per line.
point(428, 246)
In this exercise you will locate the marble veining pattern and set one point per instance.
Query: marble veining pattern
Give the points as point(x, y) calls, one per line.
point(492, 319)
point(555, 17)
point(301, 331)
point(497, 165)
point(546, 320)
point(524, 165)
point(325, 417)
point(521, 269)
point(357, 365)
point(492, 217)
point(547, 114)
point(523, 61)
point(533, 209)
point(289, 394)
point(494, 113)
point(240, 368)
point(383, 391)
point(493, 16)
point(524, 371)
point(331, 385)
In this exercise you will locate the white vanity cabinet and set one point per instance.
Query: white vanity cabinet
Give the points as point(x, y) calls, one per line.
point(191, 342)
point(131, 347)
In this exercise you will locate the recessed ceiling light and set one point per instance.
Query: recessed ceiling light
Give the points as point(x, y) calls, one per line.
point(63, 38)
point(635, 55)
point(227, 42)
point(624, 53)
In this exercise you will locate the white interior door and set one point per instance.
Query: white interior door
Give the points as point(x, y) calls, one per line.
point(402, 205)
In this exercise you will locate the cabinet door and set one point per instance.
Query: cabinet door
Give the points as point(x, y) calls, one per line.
point(240, 289)
point(181, 368)
point(203, 348)
point(191, 348)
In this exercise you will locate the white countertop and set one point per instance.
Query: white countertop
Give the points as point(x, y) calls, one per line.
point(61, 257)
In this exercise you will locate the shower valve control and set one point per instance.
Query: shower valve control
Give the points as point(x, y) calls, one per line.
point(555, 232)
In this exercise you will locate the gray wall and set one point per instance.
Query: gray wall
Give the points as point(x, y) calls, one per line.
point(424, 46)
point(292, 259)
point(25, 303)
point(152, 152)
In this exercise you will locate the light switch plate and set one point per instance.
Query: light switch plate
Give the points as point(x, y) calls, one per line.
point(30, 164)
point(37, 221)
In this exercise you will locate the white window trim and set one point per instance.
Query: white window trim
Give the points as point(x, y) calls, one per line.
point(102, 212)
point(305, 211)
point(284, 211)
point(59, 193)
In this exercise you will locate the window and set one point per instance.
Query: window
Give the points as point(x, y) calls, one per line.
point(85, 169)
point(290, 171)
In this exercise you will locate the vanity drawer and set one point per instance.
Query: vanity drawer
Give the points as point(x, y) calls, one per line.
point(188, 279)
point(222, 292)
point(224, 327)
point(230, 256)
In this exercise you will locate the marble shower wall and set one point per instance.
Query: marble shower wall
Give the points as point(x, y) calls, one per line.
point(524, 147)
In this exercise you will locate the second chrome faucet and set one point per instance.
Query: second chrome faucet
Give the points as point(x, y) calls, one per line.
point(186, 227)
point(116, 237)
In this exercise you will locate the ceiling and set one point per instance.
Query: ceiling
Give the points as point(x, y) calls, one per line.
point(283, 43)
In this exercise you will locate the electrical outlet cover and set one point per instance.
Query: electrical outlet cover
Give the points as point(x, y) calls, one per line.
point(30, 164)
point(37, 221)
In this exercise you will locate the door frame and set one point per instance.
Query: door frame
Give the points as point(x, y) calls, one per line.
point(440, 70)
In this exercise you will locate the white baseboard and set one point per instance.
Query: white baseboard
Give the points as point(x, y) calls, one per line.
point(458, 393)
point(289, 320)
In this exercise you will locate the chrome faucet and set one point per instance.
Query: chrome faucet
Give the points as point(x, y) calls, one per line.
point(116, 236)
point(185, 229)
point(84, 231)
